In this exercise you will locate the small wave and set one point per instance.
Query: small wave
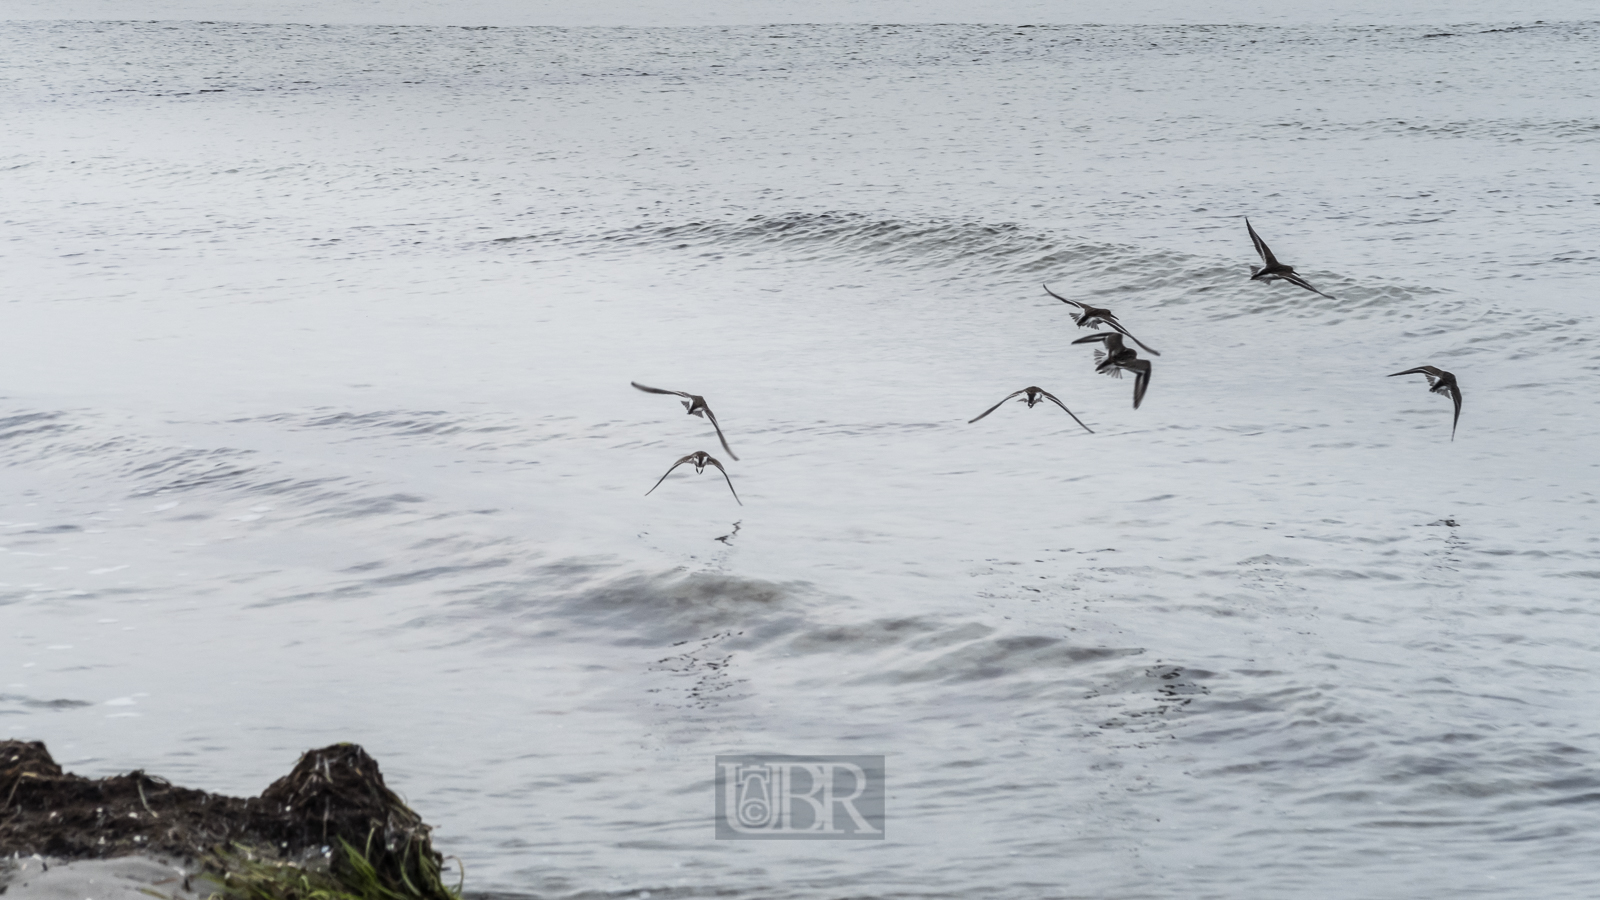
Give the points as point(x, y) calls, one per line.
point(31, 426)
point(188, 469)
point(1513, 130)
point(701, 616)
point(961, 247)
point(994, 657)
point(1011, 261)
point(142, 466)
point(437, 577)
point(650, 609)
point(35, 703)
point(999, 257)
point(389, 421)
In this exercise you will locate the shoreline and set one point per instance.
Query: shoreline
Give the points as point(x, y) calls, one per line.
point(133, 877)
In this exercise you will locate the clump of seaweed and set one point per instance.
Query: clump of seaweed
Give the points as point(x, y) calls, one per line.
point(329, 830)
point(241, 873)
point(56, 814)
point(336, 795)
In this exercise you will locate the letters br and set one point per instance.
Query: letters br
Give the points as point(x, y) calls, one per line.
point(800, 798)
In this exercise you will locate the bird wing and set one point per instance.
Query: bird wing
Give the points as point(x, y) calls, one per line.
point(651, 390)
point(1063, 299)
point(712, 461)
point(713, 417)
point(669, 472)
point(1436, 375)
point(1097, 336)
point(1052, 398)
point(1296, 280)
point(997, 405)
point(1261, 246)
point(1105, 364)
point(1125, 333)
point(1141, 382)
point(1455, 395)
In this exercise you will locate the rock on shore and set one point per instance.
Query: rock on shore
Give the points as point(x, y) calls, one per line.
point(334, 793)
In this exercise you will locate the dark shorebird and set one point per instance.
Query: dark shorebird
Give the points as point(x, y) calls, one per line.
point(1270, 268)
point(1094, 317)
point(1034, 395)
point(696, 405)
point(1440, 382)
point(1116, 357)
point(699, 459)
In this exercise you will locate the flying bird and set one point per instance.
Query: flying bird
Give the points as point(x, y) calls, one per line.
point(1116, 357)
point(1034, 395)
point(696, 405)
point(699, 459)
point(1440, 382)
point(1270, 268)
point(1094, 317)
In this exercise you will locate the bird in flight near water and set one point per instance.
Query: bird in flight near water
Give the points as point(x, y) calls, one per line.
point(1034, 395)
point(1440, 382)
point(1094, 316)
point(1270, 268)
point(699, 459)
point(696, 405)
point(1117, 356)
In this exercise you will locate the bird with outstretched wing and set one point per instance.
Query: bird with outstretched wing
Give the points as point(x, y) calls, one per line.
point(1118, 356)
point(699, 459)
point(696, 405)
point(1094, 316)
point(1270, 269)
point(1440, 382)
point(1032, 395)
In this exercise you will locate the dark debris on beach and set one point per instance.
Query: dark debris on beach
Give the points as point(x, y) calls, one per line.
point(333, 794)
